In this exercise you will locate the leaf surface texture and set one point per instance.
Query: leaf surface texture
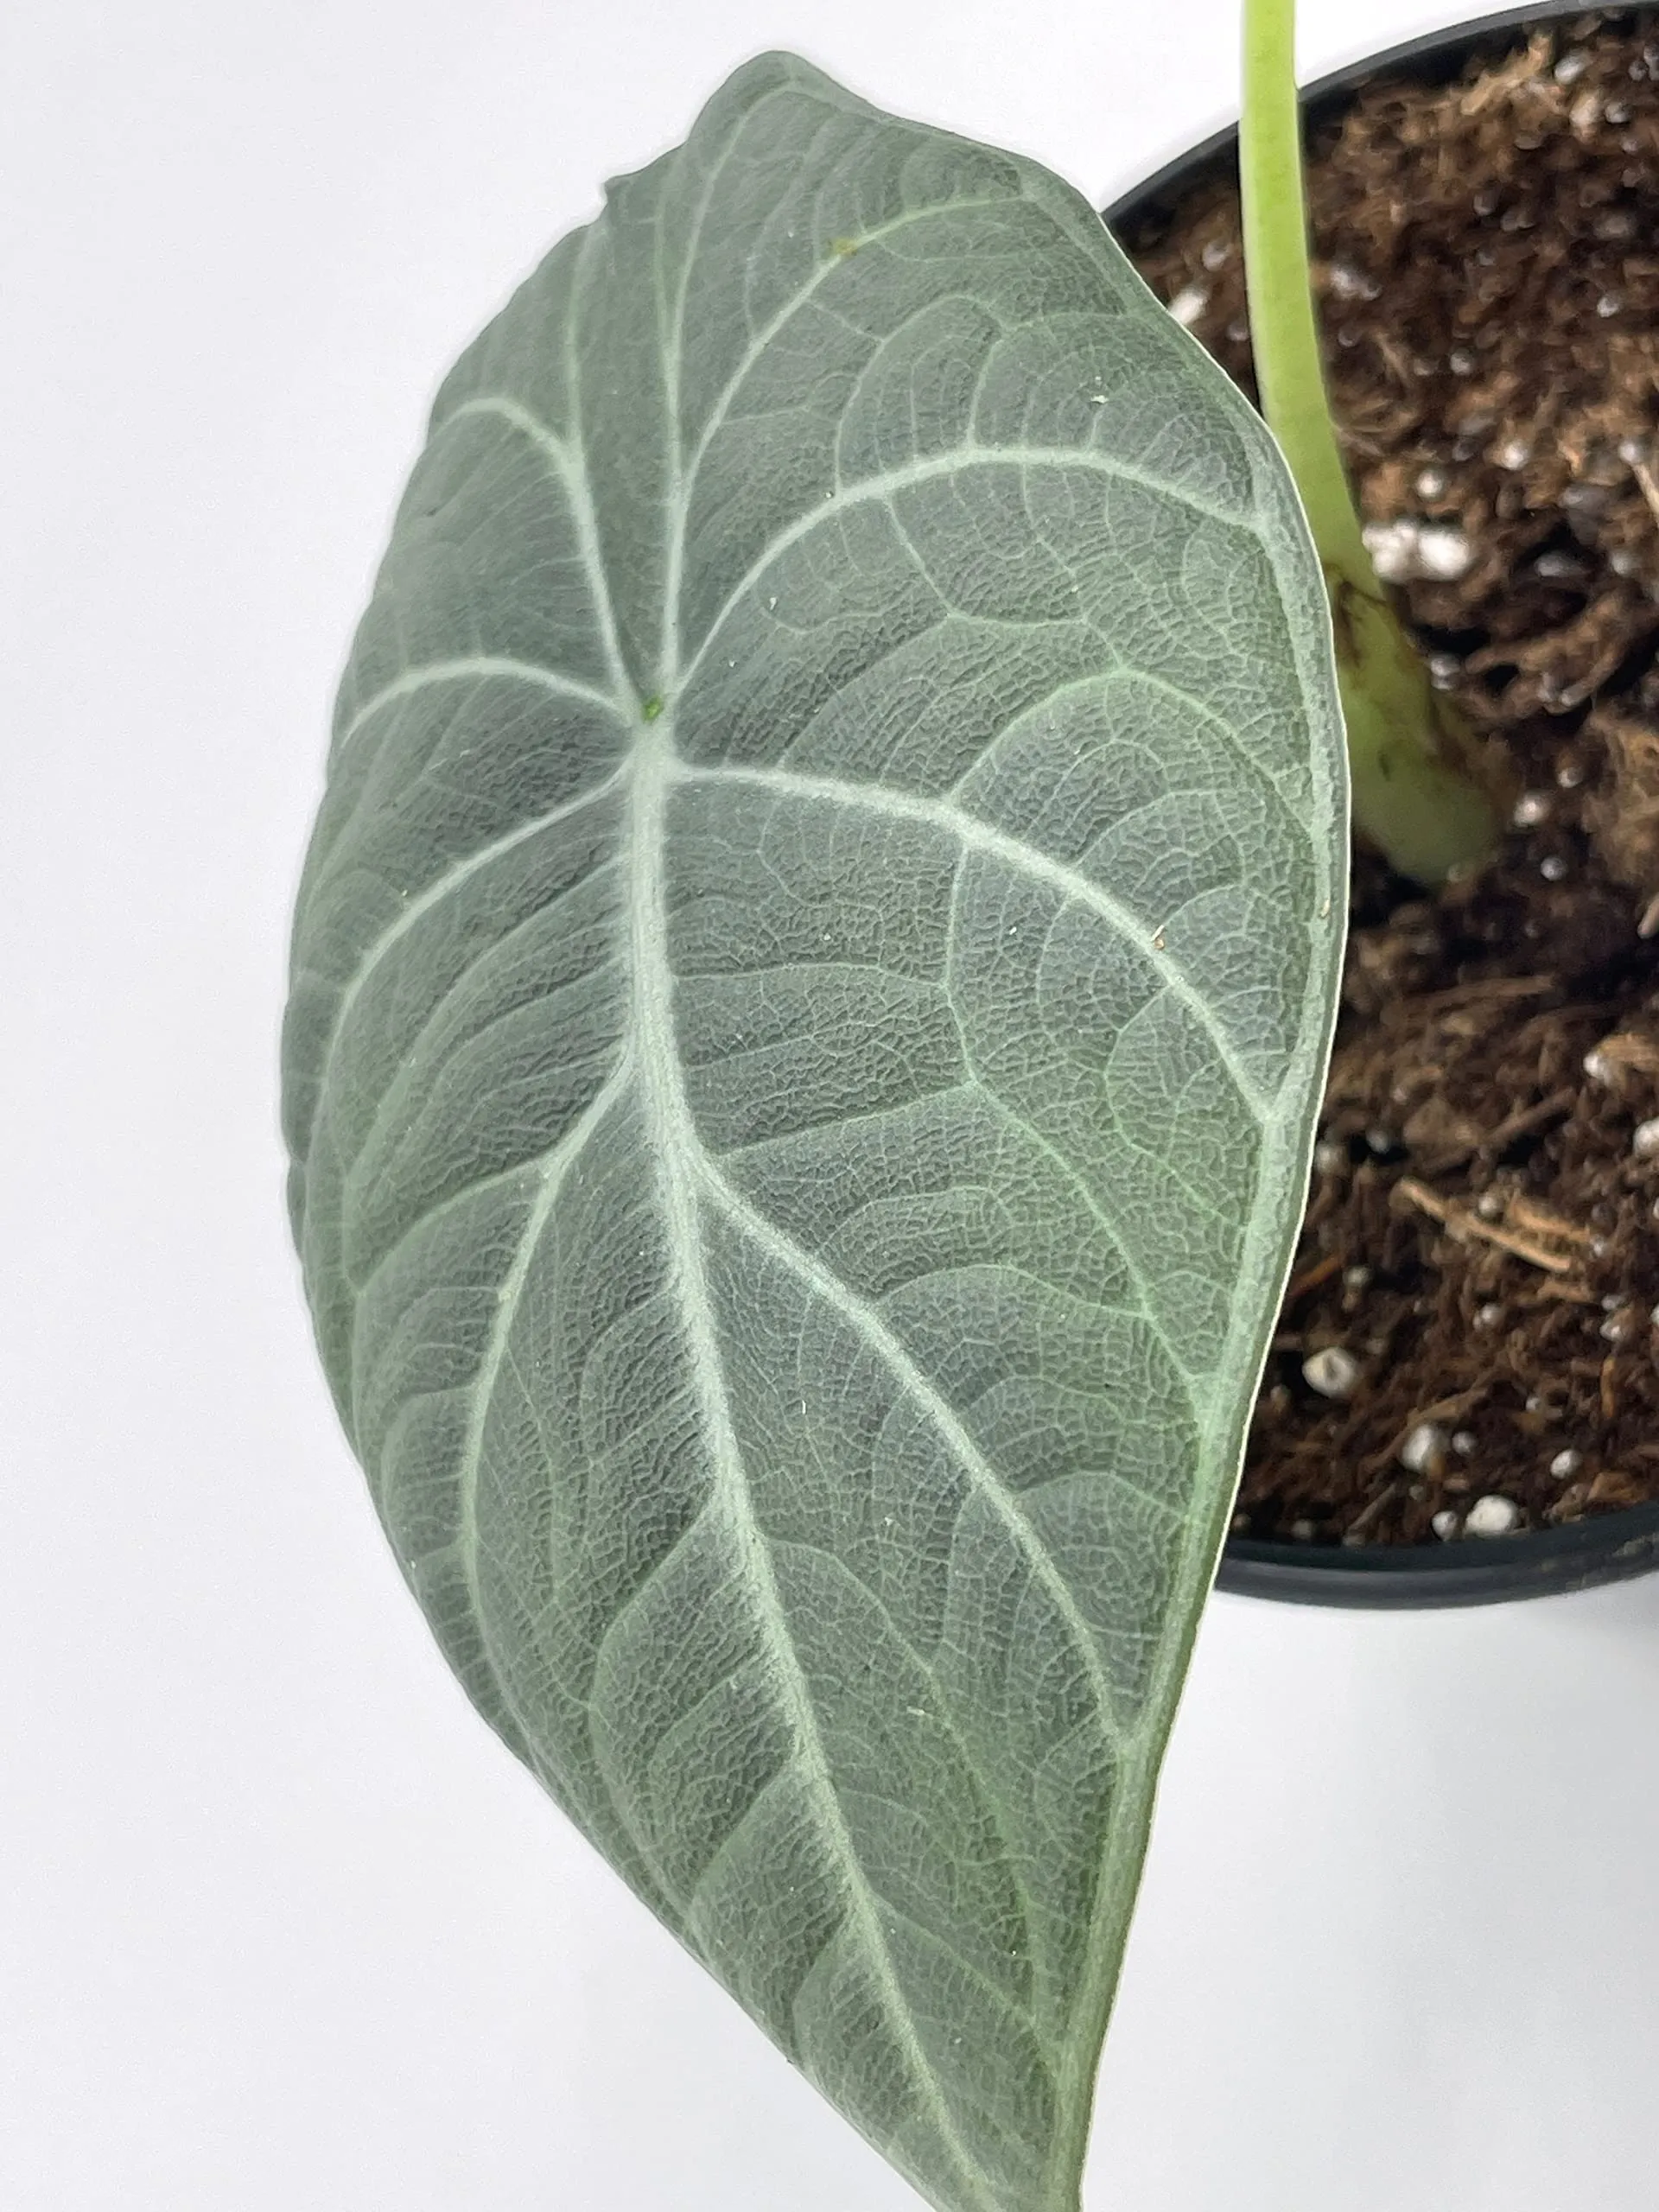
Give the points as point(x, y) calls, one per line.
point(812, 986)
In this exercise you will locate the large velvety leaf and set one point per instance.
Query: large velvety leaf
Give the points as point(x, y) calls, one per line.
point(811, 985)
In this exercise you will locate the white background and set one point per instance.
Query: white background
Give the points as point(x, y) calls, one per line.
point(281, 1925)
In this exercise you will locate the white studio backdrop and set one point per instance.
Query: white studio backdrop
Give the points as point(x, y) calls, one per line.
point(281, 1924)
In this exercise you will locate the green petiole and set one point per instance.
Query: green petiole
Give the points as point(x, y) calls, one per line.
point(1409, 747)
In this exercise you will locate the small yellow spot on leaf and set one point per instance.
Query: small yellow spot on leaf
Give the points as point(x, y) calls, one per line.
point(651, 709)
point(841, 247)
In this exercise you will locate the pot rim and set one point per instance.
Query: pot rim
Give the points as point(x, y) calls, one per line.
point(1472, 1571)
point(1430, 56)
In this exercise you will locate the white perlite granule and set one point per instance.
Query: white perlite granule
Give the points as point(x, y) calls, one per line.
point(1333, 1372)
point(1492, 1516)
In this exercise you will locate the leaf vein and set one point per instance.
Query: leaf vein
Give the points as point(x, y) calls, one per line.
point(1026, 859)
point(450, 881)
point(479, 667)
point(882, 489)
point(880, 1339)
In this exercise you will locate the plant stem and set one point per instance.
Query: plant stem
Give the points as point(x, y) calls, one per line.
point(1409, 749)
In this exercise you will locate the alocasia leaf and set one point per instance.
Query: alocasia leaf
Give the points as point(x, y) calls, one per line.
point(811, 985)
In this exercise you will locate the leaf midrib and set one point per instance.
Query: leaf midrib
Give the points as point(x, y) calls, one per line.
point(678, 1160)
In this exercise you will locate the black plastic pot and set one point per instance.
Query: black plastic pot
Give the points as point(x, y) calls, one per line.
point(1476, 1570)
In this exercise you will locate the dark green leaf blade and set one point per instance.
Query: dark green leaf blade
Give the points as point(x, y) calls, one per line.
point(811, 991)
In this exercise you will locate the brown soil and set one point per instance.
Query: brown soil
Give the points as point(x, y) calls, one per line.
point(1482, 1237)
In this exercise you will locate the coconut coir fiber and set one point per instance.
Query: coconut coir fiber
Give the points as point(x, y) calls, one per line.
point(1481, 1238)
